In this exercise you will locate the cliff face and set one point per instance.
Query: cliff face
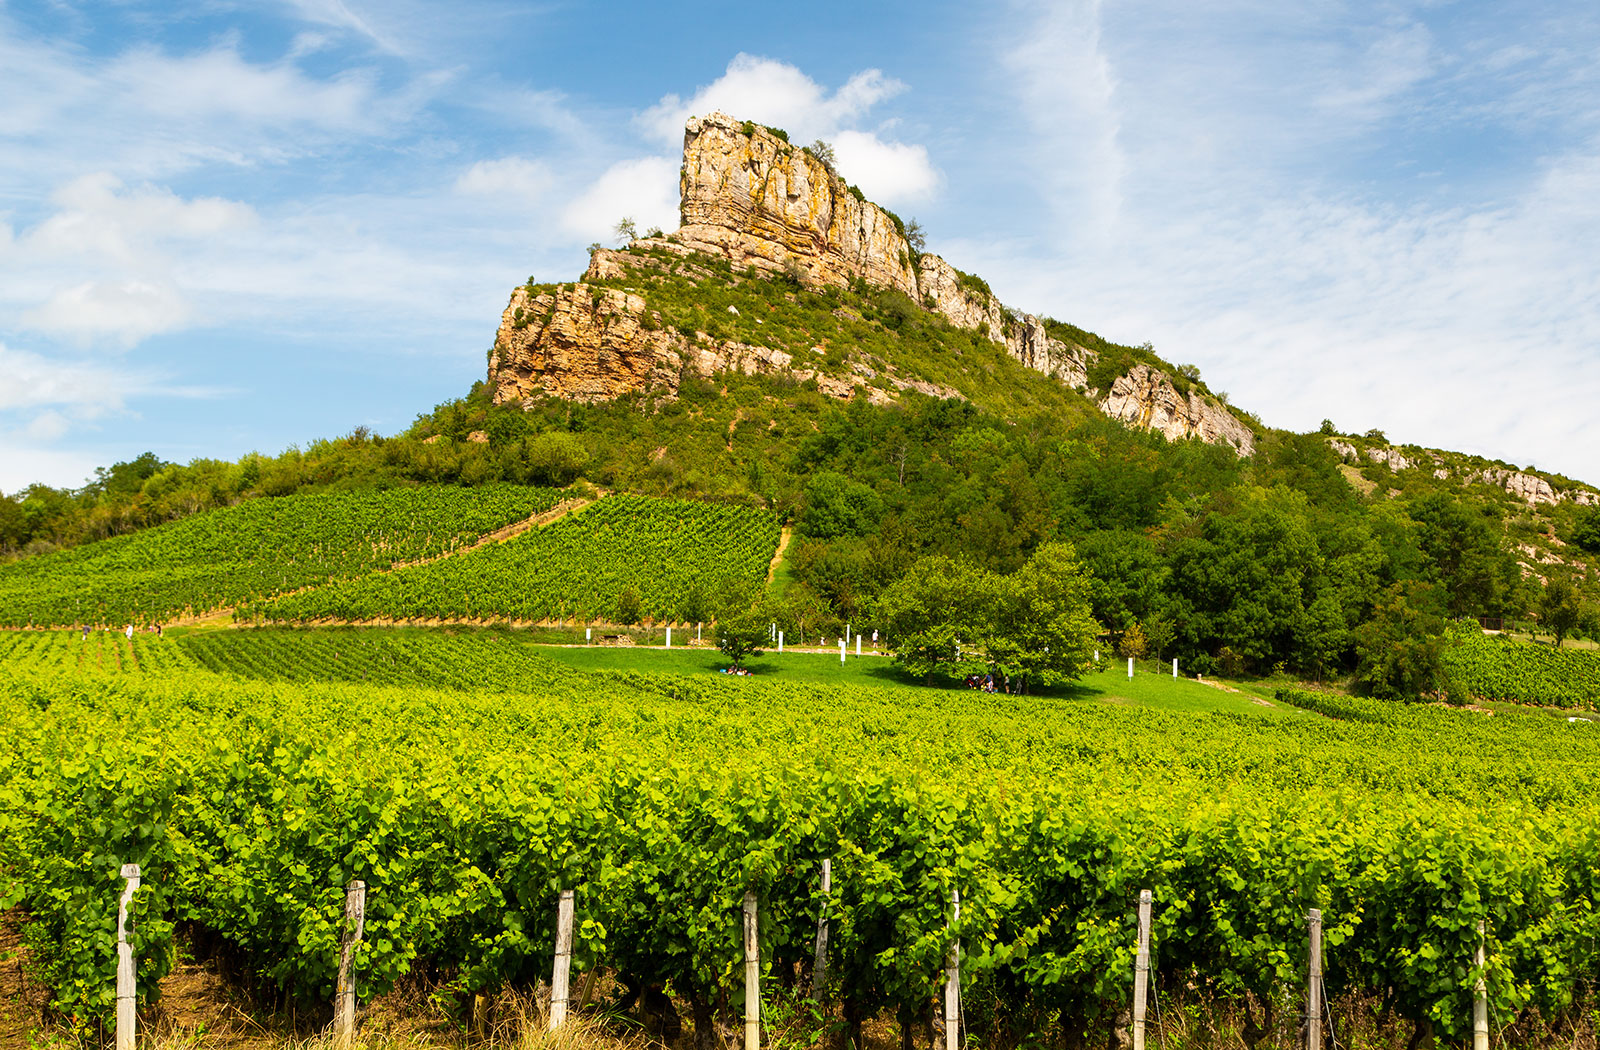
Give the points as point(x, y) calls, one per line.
point(751, 198)
point(586, 343)
point(755, 199)
point(1147, 399)
point(1530, 488)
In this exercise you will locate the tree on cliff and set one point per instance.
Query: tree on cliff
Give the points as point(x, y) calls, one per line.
point(627, 230)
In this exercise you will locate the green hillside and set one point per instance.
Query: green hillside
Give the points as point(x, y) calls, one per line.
point(620, 560)
point(257, 549)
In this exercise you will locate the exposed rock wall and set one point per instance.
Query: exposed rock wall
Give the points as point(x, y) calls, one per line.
point(1530, 488)
point(750, 196)
point(757, 201)
point(585, 343)
point(1146, 398)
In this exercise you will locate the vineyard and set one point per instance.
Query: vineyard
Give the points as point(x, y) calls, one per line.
point(259, 548)
point(250, 797)
point(1500, 668)
point(577, 568)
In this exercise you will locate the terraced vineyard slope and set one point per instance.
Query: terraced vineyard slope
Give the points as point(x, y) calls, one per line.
point(665, 552)
point(257, 549)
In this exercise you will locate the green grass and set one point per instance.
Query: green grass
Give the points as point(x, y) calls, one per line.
point(1111, 686)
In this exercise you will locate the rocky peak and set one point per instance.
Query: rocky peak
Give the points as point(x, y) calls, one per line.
point(757, 200)
point(754, 199)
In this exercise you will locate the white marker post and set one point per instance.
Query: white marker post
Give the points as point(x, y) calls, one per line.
point(841, 650)
point(1174, 667)
point(858, 644)
point(1130, 668)
point(588, 635)
point(669, 638)
point(780, 641)
point(127, 990)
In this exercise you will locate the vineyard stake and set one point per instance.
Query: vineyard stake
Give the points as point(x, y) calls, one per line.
point(560, 980)
point(1480, 1000)
point(952, 980)
point(819, 968)
point(1141, 969)
point(752, 976)
point(1314, 981)
point(127, 989)
point(344, 1003)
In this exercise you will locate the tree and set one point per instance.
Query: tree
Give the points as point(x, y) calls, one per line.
point(627, 607)
point(936, 615)
point(823, 151)
point(1046, 630)
point(837, 506)
point(627, 230)
point(1327, 429)
point(1559, 608)
point(1586, 529)
point(1160, 631)
point(1133, 644)
point(744, 634)
point(556, 458)
point(1401, 649)
point(916, 238)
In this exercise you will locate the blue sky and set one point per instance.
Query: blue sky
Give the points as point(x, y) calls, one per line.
point(241, 226)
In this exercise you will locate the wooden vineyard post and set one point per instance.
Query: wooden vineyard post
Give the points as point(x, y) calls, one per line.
point(344, 1003)
point(819, 966)
point(1141, 969)
point(1480, 999)
point(1314, 980)
point(560, 980)
point(127, 987)
point(752, 976)
point(952, 980)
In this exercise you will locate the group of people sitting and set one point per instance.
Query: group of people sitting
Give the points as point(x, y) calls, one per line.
point(738, 670)
point(986, 683)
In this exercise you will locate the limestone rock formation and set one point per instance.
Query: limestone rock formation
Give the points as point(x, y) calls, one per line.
point(587, 343)
point(759, 201)
point(752, 198)
point(1146, 398)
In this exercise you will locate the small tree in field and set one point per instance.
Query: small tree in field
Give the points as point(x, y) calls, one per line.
point(743, 634)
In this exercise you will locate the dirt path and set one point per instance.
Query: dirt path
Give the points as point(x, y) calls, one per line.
point(223, 617)
point(777, 557)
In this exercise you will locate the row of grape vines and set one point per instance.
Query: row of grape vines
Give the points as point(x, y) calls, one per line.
point(577, 568)
point(259, 548)
point(1499, 668)
point(661, 800)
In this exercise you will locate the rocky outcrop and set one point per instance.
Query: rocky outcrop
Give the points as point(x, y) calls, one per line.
point(752, 198)
point(1146, 398)
point(1530, 488)
point(1527, 487)
point(586, 343)
point(758, 201)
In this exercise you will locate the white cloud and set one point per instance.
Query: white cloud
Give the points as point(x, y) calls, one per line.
point(121, 312)
point(518, 178)
point(23, 462)
point(47, 427)
point(1068, 96)
point(775, 93)
point(34, 382)
point(888, 172)
point(644, 189)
